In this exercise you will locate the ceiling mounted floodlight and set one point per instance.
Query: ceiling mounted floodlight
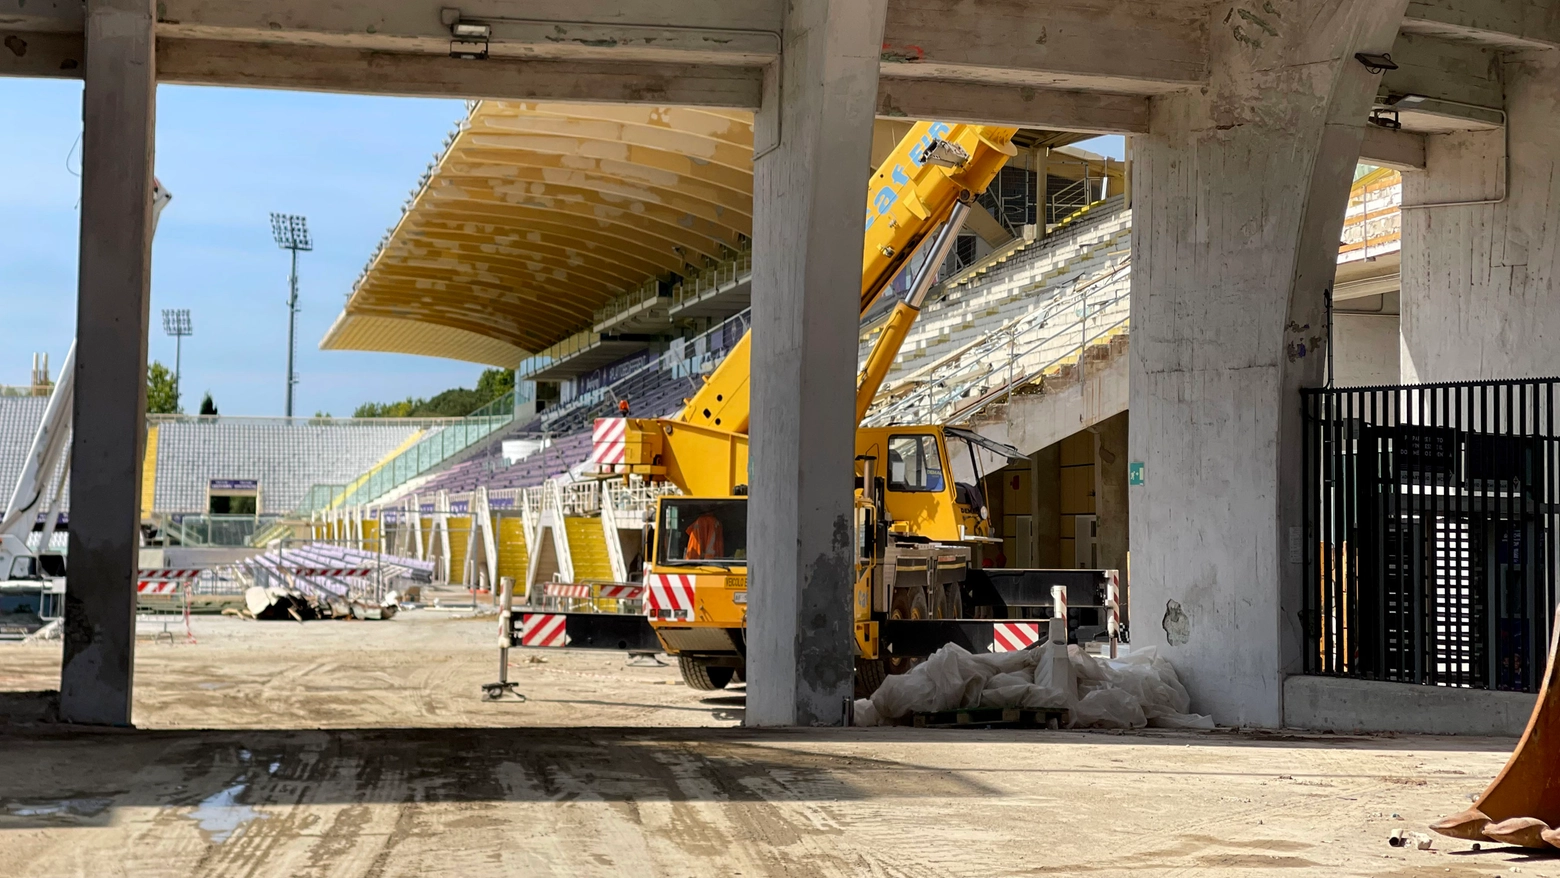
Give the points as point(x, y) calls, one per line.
point(1376, 62)
point(468, 39)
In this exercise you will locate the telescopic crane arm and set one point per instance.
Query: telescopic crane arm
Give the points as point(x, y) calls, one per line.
point(926, 186)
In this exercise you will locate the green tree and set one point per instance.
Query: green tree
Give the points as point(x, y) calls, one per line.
point(495, 383)
point(207, 405)
point(162, 397)
point(457, 402)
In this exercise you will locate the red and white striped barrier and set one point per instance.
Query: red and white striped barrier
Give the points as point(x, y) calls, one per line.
point(566, 590)
point(158, 580)
point(544, 629)
point(605, 590)
point(609, 447)
point(1014, 636)
point(668, 591)
point(329, 571)
point(1058, 602)
point(621, 592)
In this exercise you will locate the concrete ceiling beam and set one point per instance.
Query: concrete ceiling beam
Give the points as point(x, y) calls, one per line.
point(327, 68)
point(1091, 45)
point(1501, 23)
point(1443, 85)
point(1021, 106)
point(1403, 150)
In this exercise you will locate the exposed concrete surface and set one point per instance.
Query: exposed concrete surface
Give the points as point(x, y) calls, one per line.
point(1239, 192)
point(1342, 705)
point(268, 794)
point(1032, 422)
point(118, 109)
point(1368, 349)
point(813, 140)
point(1478, 280)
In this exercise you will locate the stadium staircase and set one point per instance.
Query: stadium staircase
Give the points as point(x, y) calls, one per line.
point(588, 548)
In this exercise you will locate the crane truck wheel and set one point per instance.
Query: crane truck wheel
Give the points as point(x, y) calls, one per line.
point(870, 674)
point(909, 603)
point(702, 676)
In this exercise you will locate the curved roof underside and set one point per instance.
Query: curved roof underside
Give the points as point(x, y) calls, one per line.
point(537, 215)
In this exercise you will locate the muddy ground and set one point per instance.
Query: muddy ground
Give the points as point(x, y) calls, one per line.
point(363, 749)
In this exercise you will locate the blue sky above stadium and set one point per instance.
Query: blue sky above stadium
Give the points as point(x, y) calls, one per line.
point(230, 157)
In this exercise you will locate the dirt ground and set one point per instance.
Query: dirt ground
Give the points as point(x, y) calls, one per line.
point(363, 749)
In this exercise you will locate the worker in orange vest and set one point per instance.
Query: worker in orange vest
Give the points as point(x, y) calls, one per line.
point(706, 539)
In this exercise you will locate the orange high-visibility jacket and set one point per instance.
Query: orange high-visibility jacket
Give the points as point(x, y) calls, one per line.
point(705, 538)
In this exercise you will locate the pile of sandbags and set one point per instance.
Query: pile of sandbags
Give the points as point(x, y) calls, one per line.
point(1138, 690)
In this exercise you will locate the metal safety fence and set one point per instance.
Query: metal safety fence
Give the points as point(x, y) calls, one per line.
point(1430, 549)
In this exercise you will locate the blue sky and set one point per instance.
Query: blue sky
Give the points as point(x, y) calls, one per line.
point(230, 157)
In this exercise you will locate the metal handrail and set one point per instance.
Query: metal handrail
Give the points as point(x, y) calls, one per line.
point(961, 379)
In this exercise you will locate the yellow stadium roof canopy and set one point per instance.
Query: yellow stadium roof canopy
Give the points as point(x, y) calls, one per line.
point(538, 215)
point(550, 236)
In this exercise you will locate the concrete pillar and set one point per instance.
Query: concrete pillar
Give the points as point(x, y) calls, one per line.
point(1238, 205)
point(1110, 496)
point(1479, 280)
point(118, 106)
point(1045, 485)
point(809, 188)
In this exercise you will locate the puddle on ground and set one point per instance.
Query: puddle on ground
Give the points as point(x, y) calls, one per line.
point(220, 816)
point(57, 808)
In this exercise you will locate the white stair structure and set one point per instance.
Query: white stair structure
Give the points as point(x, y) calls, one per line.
point(1018, 324)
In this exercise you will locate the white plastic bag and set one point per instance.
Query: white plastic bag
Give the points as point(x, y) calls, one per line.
point(1108, 708)
point(950, 678)
point(865, 713)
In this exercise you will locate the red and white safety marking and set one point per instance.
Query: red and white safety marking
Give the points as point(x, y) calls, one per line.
point(544, 629)
point(1014, 636)
point(329, 571)
point(159, 580)
point(566, 590)
point(621, 592)
point(668, 591)
point(609, 447)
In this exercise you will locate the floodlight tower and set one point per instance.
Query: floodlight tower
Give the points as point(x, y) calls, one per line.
point(176, 322)
point(292, 233)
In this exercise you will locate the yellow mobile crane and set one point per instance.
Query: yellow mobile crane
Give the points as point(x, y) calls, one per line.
point(916, 525)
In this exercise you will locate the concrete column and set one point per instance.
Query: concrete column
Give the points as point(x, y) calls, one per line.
point(809, 187)
point(1045, 485)
point(1238, 205)
point(1110, 496)
point(118, 106)
point(1479, 280)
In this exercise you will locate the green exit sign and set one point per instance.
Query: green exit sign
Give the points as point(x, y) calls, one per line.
point(1135, 472)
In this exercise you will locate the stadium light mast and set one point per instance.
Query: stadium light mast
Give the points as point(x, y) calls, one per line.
point(176, 322)
point(292, 233)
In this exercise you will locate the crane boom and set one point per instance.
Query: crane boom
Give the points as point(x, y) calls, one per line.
point(912, 193)
point(927, 183)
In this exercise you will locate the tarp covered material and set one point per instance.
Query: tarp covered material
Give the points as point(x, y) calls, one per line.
point(1139, 690)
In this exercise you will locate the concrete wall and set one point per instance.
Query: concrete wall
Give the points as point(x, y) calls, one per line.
point(1478, 280)
point(1366, 349)
point(1342, 705)
point(1239, 194)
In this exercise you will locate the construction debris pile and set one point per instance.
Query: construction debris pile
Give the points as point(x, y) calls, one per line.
point(1128, 693)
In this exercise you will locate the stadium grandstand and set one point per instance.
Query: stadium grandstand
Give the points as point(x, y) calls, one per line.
point(603, 253)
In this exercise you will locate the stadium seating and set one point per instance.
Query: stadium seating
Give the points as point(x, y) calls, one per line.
point(286, 458)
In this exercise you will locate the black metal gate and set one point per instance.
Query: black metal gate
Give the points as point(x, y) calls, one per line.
point(1431, 527)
